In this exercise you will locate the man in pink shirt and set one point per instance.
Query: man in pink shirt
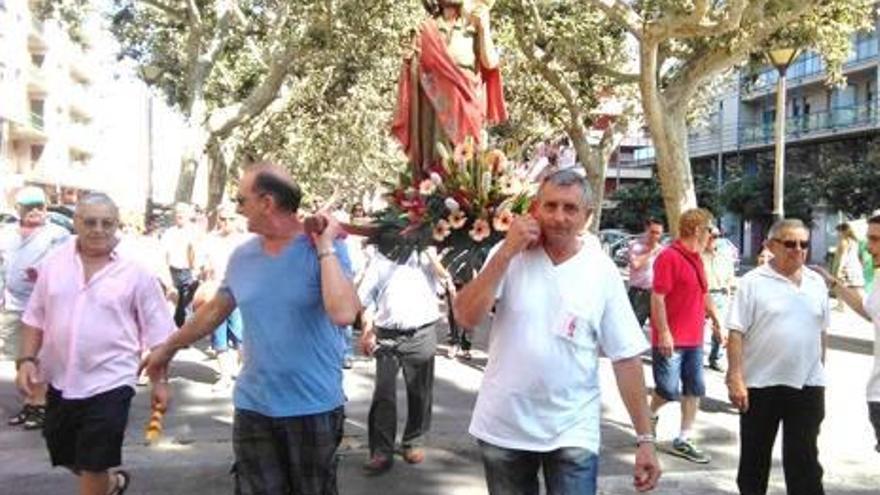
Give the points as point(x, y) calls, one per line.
point(642, 253)
point(89, 318)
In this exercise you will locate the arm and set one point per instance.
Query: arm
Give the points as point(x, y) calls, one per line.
point(27, 375)
point(337, 291)
point(736, 386)
point(631, 384)
point(473, 302)
point(665, 343)
point(488, 55)
point(712, 312)
point(206, 319)
point(848, 295)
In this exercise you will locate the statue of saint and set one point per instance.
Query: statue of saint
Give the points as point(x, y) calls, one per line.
point(450, 85)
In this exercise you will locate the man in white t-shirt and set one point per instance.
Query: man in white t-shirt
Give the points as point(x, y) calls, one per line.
point(868, 308)
point(558, 302)
point(776, 351)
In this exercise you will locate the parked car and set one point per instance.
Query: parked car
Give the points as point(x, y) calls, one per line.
point(610, 237)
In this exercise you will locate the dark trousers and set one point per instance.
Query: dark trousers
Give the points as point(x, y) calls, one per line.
point(457, 335)
point(414, 352)
point(874, 415)
point(640, 299)
point(801, 413)
point(186, 286)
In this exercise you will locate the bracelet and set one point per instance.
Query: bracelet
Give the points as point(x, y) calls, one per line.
point(27, 359)
point(645, 438)
point(326, 252)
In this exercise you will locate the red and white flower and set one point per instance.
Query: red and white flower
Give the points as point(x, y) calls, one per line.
point(441, 230)
point(427, 187)
point(457, 219)
point(480, 231)
point(502, 221)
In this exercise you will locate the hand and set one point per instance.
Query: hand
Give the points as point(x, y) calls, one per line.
point(155, 364)
point(737, 393)
point(160, 396)
point(647, 469)
point(27, 378)
point(524, 234)
point(665, 344)
point(332, 230)
point(823, 272)
point(367, 343)
point(719, 336)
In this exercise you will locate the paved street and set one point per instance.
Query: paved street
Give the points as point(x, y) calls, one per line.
point(195, 454)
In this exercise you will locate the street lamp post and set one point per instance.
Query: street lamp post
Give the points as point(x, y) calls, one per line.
point(781, 58)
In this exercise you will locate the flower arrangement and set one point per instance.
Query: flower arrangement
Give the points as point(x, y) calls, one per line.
point(464, 206)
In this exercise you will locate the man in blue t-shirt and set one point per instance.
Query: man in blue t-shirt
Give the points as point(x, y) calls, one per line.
point(294, 291)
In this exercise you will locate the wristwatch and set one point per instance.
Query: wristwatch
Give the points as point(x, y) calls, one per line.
point(20, 361)
point(326, 252)
point(645, 438)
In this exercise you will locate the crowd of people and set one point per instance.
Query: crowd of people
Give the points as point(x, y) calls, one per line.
point(278, 297)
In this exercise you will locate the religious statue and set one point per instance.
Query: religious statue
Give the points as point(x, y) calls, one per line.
point(450, 86)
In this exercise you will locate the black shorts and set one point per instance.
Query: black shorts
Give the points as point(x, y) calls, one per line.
point(87, 434)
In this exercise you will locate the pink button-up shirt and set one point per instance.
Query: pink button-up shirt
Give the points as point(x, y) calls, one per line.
point(94, 332)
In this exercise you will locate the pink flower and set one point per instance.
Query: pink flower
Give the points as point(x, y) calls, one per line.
point(441, 230)
point(502, 221)
point(480, 230)
point(427, 187)
point(464, 152)
point(457, 219)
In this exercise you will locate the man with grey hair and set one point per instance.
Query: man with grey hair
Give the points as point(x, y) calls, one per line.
point(557, 300)
point(92, 313)
point(22, 248)
point(776, 352)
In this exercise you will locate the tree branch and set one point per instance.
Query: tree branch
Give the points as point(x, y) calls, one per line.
point(195, 15)
point(171, 12)
point(623, 13)
point(698, 23)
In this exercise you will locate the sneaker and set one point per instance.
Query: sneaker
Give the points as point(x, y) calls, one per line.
point(713, 365)
point(686, 449)
point(36, 418)
point(20, 417)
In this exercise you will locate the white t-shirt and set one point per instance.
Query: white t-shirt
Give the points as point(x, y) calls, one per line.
point(782, 325)
point(872, 307)
point(540, 391)
point(404, 295)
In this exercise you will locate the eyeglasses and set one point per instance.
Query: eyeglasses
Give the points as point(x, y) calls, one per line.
point(794, 244)
point(105, 223)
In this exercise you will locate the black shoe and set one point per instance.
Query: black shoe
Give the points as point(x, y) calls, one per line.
point(21, 417)
point(36, 418)
point(713, 365)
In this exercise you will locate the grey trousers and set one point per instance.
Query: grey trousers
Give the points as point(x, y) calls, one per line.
point(414, 352)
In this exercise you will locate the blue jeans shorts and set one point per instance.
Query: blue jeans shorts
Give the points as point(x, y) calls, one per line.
point(515, 472)
point(679, 374)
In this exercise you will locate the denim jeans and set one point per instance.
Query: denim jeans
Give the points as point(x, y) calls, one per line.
point(679, 374)
point(229, 332)
point(567, 471)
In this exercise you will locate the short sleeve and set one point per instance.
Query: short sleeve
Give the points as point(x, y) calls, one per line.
point(367, 289)
point(664, 267)
point(620, 335)
point(500, 291)
point(155, 322)
point(344, 259)
point(739, 311)
point(35, 311)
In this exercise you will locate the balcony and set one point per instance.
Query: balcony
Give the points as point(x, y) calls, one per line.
point(82, 140)
point(31, 131)
point(814, 125)
point(37, 35)
point(36, 84)
point(81, 103)
point(809, 68)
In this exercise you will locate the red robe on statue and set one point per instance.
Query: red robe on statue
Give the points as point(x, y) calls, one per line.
point(459, 103)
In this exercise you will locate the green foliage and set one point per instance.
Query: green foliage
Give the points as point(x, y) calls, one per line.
point(635, 204)
point(751, 195)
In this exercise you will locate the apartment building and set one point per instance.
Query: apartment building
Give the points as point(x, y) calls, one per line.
point(740, 127)
point(47, 105)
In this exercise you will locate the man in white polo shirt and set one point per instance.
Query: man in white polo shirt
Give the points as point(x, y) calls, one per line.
point(557, 300)
point(776, 351)
point(868, 308)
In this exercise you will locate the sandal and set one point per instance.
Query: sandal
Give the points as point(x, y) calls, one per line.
point(122, 479)
point(21, 417)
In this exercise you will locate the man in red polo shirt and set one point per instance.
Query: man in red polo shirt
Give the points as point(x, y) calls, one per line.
point(679, 305)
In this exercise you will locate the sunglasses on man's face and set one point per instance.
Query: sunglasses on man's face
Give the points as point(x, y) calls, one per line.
point(105, 223)
point(794, 244)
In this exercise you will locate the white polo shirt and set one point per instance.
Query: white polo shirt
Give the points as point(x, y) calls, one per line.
point(782, 325)
point(540, 391)
point(872, 307)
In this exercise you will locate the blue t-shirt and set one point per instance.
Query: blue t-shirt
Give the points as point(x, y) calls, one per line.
point(293, 351)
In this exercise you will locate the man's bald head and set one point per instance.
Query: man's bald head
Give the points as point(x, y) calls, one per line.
point(272, 180)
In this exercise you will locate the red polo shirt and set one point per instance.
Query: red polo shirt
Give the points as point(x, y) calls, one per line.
point(679, 275)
